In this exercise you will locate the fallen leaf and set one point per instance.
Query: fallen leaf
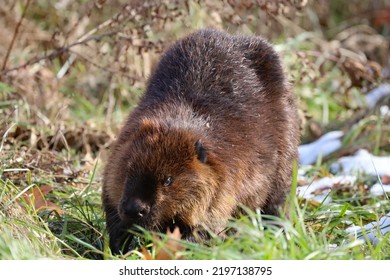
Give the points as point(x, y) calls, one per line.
point(146, 254)
point(171, 247)
point(36, 197)
point(167, 250)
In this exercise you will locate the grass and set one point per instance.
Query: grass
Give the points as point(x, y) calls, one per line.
point(312, 232)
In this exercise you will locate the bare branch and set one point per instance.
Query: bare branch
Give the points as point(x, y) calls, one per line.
point(15, 35)
point(59, 51)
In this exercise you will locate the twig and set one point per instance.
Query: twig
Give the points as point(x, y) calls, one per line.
point(59, 51)
point(15, 34)
point(5, 136)
point(72, 58)
point(103, 68)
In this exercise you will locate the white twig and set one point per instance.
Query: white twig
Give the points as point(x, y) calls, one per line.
point(5, 136)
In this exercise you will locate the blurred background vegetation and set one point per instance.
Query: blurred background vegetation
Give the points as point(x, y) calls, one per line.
point(70, 71)
point(83, 63)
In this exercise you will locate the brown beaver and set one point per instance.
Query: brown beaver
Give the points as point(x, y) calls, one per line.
point(217, 128)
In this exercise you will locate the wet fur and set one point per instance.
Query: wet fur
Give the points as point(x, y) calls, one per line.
point(218, 117)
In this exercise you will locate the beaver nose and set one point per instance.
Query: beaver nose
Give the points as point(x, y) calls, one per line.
point(135, 208)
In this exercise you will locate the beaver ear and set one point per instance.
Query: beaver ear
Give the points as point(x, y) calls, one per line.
point(201, 151)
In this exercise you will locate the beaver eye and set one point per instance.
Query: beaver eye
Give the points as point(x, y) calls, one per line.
point(168, 181)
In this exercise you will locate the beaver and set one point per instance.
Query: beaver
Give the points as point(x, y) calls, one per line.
point(216, 129)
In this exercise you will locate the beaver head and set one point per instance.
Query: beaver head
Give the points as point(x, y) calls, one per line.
point(164, 177)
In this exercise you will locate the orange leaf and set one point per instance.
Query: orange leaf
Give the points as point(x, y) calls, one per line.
point(146, 254)
point(168, 250)
point(36, 196)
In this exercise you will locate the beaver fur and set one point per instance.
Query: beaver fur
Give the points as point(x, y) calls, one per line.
point(216, 128)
